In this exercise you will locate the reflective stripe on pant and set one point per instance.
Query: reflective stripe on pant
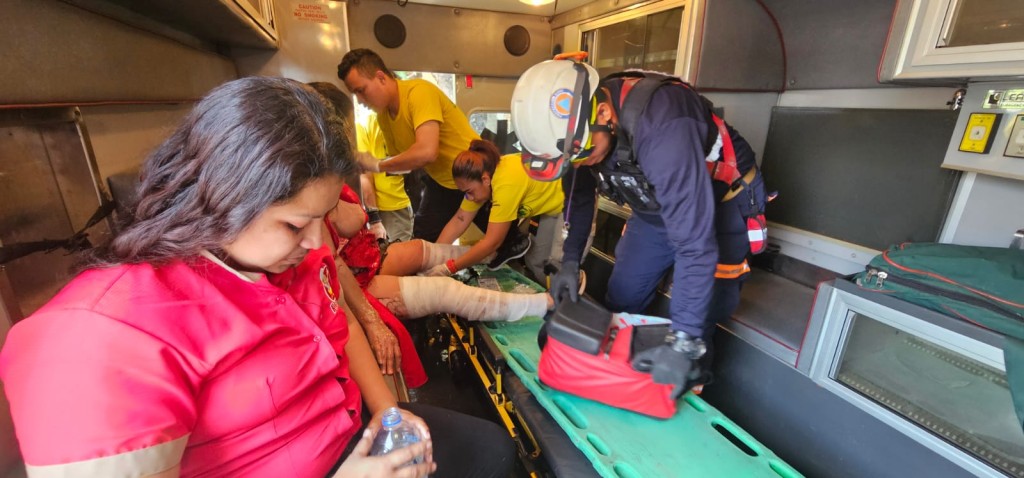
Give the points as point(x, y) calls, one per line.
point(731, 271)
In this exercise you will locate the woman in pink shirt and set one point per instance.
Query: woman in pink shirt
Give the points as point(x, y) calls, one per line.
point(206, 339)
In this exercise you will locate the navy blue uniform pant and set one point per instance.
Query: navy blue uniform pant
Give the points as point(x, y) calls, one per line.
point(644, 255)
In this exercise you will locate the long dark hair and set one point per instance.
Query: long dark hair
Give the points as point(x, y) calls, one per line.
point(249, 144)
point(482, 156)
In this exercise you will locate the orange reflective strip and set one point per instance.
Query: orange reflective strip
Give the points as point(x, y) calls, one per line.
point(731, 271)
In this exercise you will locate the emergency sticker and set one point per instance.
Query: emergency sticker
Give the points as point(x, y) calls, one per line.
point(561, 103)
point(325, 279)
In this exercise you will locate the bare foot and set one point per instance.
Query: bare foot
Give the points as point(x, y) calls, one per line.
point(551, 302)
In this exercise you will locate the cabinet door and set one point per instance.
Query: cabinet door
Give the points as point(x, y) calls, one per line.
point(954, 40)
point(648, 42)
point(983, 22)
point(650, 38)
point(261, 12)
point(939, 380)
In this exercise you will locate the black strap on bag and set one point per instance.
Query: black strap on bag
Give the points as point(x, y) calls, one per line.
point(79, 241)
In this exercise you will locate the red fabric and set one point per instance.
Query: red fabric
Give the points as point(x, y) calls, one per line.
point(362, 256)
point(134, 356)
point(349, 195)
point(610, 380)
point(725, 169)
point(412, 368)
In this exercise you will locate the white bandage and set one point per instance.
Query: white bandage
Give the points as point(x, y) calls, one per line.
point(432, 295)
point(434, 254)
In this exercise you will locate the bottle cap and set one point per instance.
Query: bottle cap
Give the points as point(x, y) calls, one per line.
point(392, 417)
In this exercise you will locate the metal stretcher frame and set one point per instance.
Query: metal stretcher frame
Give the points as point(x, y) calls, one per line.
point(579, 437)
point(540, 441)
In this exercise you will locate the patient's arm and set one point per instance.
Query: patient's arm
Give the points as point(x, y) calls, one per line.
point(382, 340)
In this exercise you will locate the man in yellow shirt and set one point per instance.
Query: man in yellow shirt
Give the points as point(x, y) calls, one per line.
point(421, 125)
point(383, 194)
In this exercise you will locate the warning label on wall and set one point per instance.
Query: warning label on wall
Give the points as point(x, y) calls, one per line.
point(310, 12)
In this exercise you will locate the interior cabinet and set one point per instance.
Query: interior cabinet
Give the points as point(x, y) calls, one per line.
point(939, 380)
point(954, 41)
point(693, 39)
point(241, 23)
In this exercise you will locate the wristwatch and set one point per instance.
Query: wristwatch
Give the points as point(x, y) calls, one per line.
point(680, 341)
point(373, 215)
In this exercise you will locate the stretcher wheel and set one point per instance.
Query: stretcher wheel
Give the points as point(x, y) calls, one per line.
point(458, 362)
point(439, 333)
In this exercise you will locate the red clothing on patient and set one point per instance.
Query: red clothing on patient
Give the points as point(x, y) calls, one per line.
point(362, 255)
point(147, 366)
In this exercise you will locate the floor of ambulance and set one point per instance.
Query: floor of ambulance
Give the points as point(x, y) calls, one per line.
point(455, 385)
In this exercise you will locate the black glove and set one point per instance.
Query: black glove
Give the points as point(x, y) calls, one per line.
point(672, 363)
point(566, 283)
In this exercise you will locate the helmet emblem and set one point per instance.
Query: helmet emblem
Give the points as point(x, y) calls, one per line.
point(561, 103)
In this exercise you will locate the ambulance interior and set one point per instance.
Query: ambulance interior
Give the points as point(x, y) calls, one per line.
point(868, 119)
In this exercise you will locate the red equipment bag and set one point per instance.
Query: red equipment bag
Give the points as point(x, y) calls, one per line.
point(586, 351)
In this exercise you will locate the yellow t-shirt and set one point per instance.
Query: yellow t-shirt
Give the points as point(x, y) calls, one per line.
point(420, 101)
point(515, 196)
point(390, 189)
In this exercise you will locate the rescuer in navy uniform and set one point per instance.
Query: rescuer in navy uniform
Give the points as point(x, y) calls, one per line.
point(650, 141)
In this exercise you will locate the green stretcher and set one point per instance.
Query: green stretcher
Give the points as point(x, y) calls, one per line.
point(699, 441)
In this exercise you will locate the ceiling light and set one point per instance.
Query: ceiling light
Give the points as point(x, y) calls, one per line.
point(537, 3)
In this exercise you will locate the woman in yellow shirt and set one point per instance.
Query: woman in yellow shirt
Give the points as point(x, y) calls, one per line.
point(383, 193)
point(483, 175)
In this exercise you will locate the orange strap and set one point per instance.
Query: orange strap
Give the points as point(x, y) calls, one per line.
point(731, 271)
point(572, 55)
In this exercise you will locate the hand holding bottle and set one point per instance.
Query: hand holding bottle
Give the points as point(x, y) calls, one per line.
point(395, 428)
point(394, 465)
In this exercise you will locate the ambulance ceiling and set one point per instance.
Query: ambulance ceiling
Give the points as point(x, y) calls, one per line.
point(510, 6)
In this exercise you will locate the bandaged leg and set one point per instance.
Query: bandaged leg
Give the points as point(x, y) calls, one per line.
point(412, 257)
point(430, 295)
point(434, 254)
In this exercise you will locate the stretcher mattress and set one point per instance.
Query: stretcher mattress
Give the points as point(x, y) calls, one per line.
point(698, 441)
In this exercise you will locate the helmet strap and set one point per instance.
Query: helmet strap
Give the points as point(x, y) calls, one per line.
point(577, 117)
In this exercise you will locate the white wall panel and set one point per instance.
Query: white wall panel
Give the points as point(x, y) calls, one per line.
point(307, 50)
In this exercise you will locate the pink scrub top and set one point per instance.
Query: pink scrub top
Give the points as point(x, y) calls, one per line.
point(134, 368)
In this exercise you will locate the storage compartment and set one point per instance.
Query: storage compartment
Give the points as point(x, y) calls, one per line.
point(697, 41)
point(939, 380)
point(244, 23)
point(48, 191)
point(951, 41)
point(949, 394)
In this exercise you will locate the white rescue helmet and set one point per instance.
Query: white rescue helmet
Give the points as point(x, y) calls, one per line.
point(552, 110)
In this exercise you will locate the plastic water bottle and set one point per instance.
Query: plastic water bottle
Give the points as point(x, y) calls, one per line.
point(395, 434)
